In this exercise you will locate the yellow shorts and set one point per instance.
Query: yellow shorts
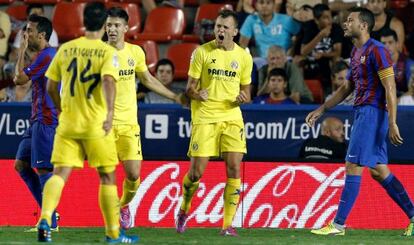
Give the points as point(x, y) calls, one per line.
point(210, 140)
point(100, 152)
point(128, 142)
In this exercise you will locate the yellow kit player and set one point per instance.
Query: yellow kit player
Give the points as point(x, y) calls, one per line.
point(219, 81)
point(126, 129)
point(87, 69)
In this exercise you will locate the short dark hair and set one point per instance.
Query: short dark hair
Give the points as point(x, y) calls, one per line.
point(318, 10)
point(34, 6)
point(387, 32)
point(118, 12)
point(163, 62)
point(277, 72)
point(43, 25)
point(94, 16)
point(365, 15)
point(306, 7)
point(229, 13)
point(339, 66)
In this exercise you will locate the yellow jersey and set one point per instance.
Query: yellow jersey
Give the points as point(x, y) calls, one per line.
point(221, 72)
point(131, 60)
point(80, 66)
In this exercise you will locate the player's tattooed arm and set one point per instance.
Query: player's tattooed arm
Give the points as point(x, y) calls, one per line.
point(194, 92)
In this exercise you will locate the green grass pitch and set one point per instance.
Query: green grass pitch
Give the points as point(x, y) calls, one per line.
point(210, 236)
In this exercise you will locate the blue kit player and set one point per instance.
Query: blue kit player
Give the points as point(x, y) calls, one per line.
point(375, 110)
point(36, 147)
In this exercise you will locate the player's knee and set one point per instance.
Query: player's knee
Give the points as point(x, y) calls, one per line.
point(107, 178)
point(194, 176)
point(376, 175)
point(132, 176)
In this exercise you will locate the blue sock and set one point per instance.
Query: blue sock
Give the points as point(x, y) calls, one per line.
point(398, 193)
point(348, 197)
point(43, 178)
point(29, 177)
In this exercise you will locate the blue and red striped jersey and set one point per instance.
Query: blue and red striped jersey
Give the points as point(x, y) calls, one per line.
point(368, 64)
point(43, 109)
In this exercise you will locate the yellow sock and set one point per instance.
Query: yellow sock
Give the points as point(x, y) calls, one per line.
point(51, 196)
point(128, 191)
point(109, 203)
point(231, 200)
point(189, 188)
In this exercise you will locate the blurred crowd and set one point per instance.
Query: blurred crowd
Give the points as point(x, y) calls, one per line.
point(300, 53)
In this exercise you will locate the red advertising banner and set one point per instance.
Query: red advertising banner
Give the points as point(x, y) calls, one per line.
point(278, 195)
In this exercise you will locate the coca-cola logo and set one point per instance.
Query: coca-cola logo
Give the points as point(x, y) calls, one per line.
point(261, 199)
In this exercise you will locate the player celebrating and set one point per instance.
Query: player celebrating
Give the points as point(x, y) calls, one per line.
point(375, 109)
point(36, 147)
point(126, 129)
point(87, 69)
point(219, 81)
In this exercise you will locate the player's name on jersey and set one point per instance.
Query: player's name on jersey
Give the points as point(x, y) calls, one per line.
point(85, 52)
point(126, 72)
point(221, 72)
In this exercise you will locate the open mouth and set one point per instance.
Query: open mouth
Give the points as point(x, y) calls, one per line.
point(221, 37)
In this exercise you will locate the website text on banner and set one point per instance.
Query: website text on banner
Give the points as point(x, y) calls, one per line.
point(273, 133)
point(277, 195)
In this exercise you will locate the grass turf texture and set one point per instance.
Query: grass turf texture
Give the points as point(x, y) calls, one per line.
point(210, 236)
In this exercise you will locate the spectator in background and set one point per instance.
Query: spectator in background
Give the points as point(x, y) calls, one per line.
point(164, 72)
point(339, 72)
point(276, 85)
point(329, 145)
point(408, 98)
point(401, 62)
point(17, 93)
point(5, 30)
point(268, 28)
point(322, 44)
point(296, 87)
point(385, 20)
point(32, 9)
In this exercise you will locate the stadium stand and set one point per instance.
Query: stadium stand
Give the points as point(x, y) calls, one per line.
point(164, 24)
point(205, 11)
point(180, 55)
point(315, 87)
point(68, 20)
point(151, 52)
point(17, 11)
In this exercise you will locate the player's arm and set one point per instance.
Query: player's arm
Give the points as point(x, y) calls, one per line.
point(20, 76)
point(244, 96)
point(343, 91)
point(155, 85)
point(52, 88)
point(109, 88)
point(193, 92)
point(387, 79)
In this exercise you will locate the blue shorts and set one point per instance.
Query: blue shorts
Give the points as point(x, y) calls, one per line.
point(36, 145)
point(367, 144)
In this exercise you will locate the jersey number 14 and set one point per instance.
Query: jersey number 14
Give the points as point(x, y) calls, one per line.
point(96, 77)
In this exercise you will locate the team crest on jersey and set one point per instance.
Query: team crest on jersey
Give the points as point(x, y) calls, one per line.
point(362, 59)
point(234, 65)
point(131, 62)
point(195, 146)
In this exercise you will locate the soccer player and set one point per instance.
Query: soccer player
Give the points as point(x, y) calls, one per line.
point(35, 148)
point(88, 70)
point(372, 76)
point(219, 81)
point(126, 129)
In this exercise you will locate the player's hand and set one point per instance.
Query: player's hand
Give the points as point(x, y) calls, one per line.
point(242, 97)
point(394, 135)
point(312, 117)
point(182, 99)
point(24, 42)
point(203, 93)
point(107, 125)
